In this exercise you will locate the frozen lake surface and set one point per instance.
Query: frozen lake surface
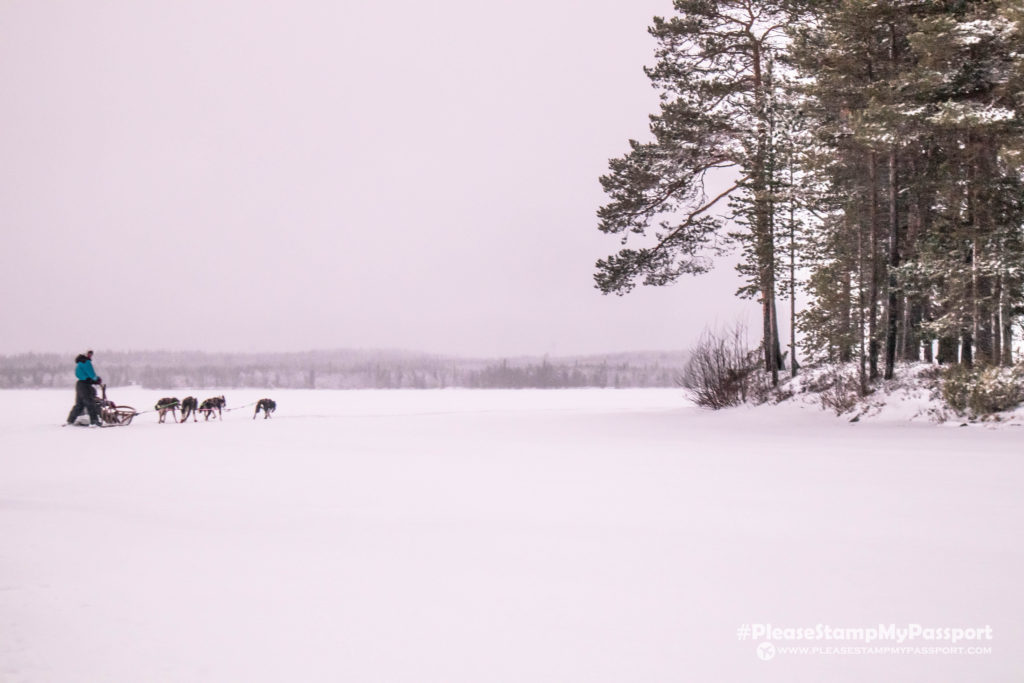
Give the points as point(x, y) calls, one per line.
point(509, 537)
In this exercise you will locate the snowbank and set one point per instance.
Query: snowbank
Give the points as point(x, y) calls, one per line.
point(914, 395)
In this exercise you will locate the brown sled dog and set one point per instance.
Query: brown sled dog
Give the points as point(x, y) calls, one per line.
point(167, 405)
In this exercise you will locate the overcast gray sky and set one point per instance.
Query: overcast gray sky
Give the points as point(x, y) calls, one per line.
point(256, 176)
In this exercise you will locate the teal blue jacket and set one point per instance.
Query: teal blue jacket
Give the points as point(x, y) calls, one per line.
point(83, 369)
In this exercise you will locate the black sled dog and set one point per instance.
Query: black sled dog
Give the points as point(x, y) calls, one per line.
point(266, 405)
point(189, 406)
point(211, 405)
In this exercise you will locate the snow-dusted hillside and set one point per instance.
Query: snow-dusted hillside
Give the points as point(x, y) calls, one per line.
point(520, 537)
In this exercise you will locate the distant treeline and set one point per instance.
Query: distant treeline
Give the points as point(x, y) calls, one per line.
point(345, 370)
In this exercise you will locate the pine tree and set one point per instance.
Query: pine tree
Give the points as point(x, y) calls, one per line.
point(916, 119)
point(713, 72)
point(964, 98)
point(877, 146)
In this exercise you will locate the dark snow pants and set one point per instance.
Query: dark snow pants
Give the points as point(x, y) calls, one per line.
point(85, 400)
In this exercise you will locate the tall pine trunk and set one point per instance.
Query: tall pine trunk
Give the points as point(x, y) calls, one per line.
point(873, 262)
point(793, 365)
point(1006, 319)
point(763, 237)
point(894, 238)
point(993, 321)
point(845, 323)
point(860, 308)
point(892, 312)
point(947, 350)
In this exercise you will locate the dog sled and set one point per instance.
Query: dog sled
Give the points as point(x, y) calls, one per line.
point(113, 414)
point(110, 414)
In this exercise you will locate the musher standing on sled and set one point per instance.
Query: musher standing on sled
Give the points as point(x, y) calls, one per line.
point(85, 397)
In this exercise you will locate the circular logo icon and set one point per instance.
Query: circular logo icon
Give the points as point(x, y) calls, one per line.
point(765, 651)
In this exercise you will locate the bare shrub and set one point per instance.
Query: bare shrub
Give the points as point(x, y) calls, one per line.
point(840, 391)
point(721, 369)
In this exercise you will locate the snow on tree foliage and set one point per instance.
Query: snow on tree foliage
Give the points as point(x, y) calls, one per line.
point(895, 199)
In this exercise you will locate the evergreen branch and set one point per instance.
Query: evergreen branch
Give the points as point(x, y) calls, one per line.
point(660, 199)
point(690, 218)
point(764, 36)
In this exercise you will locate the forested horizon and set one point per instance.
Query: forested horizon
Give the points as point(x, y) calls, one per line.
point(874, 153)
point(346, 369)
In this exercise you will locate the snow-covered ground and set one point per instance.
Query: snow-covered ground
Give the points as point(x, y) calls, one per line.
point(506, 537)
